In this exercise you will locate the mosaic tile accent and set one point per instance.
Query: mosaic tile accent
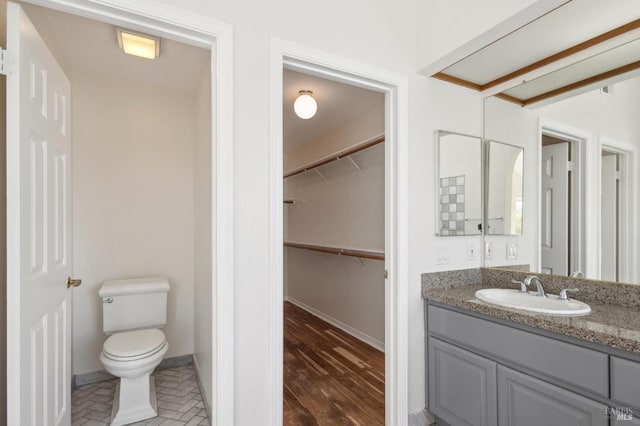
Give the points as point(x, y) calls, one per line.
point(452, 205)
point(179, 401)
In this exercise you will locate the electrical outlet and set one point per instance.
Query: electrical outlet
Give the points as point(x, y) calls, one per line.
point(488, 250)
point(512, 251)
point(472, 251)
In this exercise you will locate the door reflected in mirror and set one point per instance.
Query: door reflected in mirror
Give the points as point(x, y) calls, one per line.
point(459, 184)
point(504, 188)
point(581, 183)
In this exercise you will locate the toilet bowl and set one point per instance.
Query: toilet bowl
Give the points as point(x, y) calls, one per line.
point(132, 356)
point(132, 312)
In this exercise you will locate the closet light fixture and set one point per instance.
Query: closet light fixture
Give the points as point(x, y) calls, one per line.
point(305, 106)
point(137, 44)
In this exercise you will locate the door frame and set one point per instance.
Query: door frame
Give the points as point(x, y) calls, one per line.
point(627, 245)
point(583, 243)
point(395, 86)
point(217, 36)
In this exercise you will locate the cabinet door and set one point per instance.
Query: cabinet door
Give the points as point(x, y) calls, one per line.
point(462, 386)
point(625, 382)
point(525, 401)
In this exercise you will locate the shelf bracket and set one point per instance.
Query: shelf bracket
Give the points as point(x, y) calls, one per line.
point(321, 175)
point(360, 261)
point(355, 164)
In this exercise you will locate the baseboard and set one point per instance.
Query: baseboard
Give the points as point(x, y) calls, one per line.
point(339, 324)
point(102, 375)
point(206, 398)
point(421, 418)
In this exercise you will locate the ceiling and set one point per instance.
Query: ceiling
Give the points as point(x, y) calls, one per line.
point(338, 104)
point(568, 35)
point(92, 46)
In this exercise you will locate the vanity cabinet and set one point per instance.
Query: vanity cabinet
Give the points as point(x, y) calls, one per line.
point(484, 372)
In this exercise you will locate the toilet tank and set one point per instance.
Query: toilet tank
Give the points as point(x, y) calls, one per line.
point(134, 303)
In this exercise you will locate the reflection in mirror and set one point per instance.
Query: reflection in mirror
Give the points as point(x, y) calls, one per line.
point(581, 182)
point(459, 177)
point(504, 189)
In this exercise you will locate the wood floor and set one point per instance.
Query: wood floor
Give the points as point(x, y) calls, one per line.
point(330, 377)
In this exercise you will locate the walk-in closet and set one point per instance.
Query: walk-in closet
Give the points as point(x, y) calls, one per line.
point(334, 250)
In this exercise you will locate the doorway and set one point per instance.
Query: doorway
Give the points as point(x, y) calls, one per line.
point(610, 216)
point(394, 88)
point(564, 246)
point(334, 286)
point(215, 38)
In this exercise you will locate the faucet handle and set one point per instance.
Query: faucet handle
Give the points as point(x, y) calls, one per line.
point(523, 286)
point(563, 293)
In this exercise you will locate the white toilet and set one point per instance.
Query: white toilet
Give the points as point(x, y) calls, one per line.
point(133, 311)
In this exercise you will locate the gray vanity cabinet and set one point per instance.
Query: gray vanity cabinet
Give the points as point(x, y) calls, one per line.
point(486, 373)
point(526, 401)
point(462, 385)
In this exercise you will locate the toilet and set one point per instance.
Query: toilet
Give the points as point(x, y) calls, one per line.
point(133, 313)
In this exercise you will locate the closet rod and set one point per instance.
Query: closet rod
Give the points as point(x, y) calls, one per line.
point(338, 251)
point(337, 156)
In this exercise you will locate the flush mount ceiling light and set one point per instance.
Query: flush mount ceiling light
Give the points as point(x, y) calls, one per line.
point(305, 106)
point(137, 44)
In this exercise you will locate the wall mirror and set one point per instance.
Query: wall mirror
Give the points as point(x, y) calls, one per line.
point(504, 188)
point(458, 184)
point(581, 176)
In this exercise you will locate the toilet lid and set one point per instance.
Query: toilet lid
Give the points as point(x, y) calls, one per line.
point(134, 343)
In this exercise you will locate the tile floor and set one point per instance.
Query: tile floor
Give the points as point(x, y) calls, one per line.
point(177, 391)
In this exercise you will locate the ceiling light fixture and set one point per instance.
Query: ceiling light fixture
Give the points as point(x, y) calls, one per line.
point(305, 106)
point(137, 44)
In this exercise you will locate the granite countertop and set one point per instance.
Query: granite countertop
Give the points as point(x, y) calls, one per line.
point(611, 325)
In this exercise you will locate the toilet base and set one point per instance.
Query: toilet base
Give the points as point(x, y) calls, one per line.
point(129, 402)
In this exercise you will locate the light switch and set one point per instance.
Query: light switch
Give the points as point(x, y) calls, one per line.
point(443, 255)
point(472, 251)
point(512, 251)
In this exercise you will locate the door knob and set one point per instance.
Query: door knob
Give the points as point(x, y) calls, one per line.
point(73, 283)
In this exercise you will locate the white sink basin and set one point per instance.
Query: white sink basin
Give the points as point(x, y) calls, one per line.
point(515, 299)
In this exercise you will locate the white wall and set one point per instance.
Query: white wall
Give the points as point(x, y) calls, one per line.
point(133, 198)
point(203, 330)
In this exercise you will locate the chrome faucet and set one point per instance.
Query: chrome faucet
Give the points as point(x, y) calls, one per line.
point(533, 279)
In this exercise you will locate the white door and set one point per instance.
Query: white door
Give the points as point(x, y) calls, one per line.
point(609, 218)
point(38, 231)
point(555, 209)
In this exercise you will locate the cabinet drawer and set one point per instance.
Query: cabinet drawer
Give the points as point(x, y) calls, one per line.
point(625, 381)
point(525, 401)
point(559, 361)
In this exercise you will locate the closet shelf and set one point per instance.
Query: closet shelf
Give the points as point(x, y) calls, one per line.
point(337, 156)
point(366, 254)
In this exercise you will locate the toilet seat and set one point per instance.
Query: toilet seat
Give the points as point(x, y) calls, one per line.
point(134, 345)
